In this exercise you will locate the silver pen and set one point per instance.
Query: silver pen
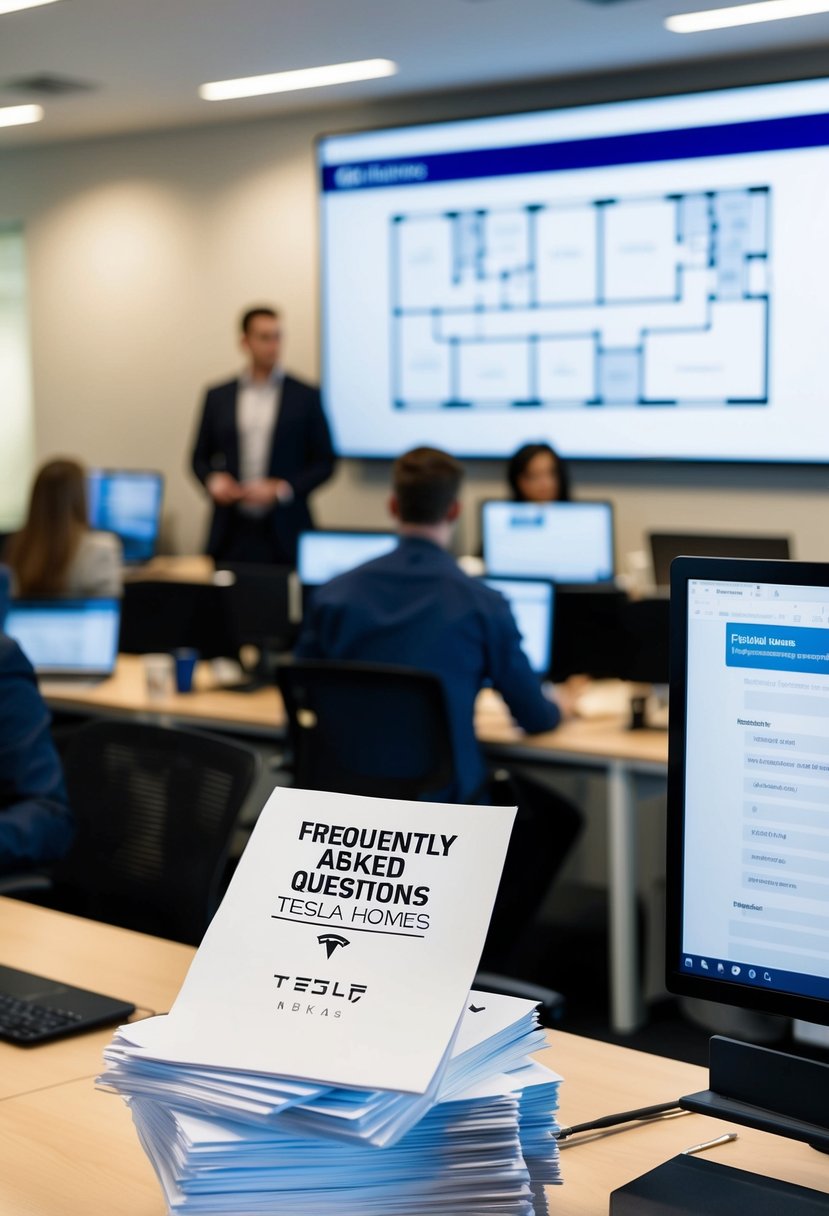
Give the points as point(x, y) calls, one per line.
point(706, 1144)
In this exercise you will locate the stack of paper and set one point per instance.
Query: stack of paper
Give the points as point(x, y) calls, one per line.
point(348, 1070)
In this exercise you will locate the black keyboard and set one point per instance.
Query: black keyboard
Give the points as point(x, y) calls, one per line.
point(28, 1022)
point(34, 1009)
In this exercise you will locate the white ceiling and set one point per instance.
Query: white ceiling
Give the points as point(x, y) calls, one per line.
point(148, 57)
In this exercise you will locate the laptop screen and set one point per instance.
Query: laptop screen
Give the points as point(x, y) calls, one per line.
point(324, 555)
point(66, 637)
point(531, 601)
point(569, 542)
point(128, 503)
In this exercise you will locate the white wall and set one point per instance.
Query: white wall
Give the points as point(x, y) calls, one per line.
point(143, 250)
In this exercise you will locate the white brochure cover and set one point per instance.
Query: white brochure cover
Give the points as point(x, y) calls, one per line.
point(347, 942)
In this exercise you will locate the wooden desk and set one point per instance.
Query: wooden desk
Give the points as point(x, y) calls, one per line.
point(144, 970)
point(125, 695)
point(68, 1150)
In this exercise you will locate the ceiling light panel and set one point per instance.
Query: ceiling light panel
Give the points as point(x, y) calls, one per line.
point(302, 78)
point(744, 14)
point(17, 6)
point(18, 116)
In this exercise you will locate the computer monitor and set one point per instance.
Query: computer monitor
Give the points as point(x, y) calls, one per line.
point(644, 642)
point(568, 542)
point(665, 546)
point(128, 503)
point(531, 601)
point(163, 615)
point(323, 555)
point(66, 637)
point(748, 797)
point(748, 857)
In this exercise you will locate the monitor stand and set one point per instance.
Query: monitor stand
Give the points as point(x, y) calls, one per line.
point(756, 1087)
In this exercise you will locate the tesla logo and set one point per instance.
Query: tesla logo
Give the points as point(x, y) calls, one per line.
point(331, 941)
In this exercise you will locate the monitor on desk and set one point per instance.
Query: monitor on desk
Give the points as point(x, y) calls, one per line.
point(128, 503)
point(77, 638)
point(749, 784)
point(665, 546)
point(163, 615)
point(324, 555)
point(748, 857)
point(568, 542)
point(531, 601)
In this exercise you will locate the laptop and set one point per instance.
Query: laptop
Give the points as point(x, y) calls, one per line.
point(74, 640)
point(665, 546)
point(568, 542)
point(531, 601)
point(321, 556)
point(128, 503)
point(34, 1009)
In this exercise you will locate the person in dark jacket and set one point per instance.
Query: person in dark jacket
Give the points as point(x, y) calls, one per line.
point(36, 825)
point(263, 445)
point(415, 607)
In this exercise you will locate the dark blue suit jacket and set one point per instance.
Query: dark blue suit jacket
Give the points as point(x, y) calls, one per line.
point(416, 608)
point(35, 820)
point(301, 453)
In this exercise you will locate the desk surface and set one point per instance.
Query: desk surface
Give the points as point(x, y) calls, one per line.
point(144, 970)
point(68, 1150)
point(593, 740)
point(125, 693)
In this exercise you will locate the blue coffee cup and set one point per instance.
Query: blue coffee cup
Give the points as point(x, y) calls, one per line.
point(186, 659)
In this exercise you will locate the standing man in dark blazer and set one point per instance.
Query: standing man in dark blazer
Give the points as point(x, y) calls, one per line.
point(263, 445)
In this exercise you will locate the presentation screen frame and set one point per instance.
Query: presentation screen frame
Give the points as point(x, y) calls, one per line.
point(788, 439)
point(743, 995)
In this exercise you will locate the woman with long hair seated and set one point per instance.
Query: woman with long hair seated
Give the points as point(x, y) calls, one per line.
point(536, 473)
point(56, 552)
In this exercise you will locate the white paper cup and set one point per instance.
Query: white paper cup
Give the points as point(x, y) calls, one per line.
point(160, 673)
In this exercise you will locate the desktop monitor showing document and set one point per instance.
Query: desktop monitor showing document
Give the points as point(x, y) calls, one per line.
point(323, 555)
point(128, 503)
point(531, 601)
point(568, 542)
point(748, 796)
point(77, 638)
point(665, 546)
point(748, 860)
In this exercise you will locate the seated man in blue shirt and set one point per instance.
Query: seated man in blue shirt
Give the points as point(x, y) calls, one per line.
point(416, 608)
point(35, 820)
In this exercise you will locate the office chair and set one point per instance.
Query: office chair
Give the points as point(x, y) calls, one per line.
point(155, 810)
point(381, 731)
point(367, 728)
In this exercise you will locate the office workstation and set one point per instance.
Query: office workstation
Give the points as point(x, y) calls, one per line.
point(533, 267)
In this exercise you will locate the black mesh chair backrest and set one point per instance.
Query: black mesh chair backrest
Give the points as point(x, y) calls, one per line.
point(367, 728)
point(155, 811)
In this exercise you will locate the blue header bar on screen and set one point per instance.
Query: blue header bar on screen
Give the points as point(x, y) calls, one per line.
point(777, 648)
point(641, 147)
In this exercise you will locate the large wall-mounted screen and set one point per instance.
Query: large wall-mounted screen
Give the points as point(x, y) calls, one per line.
point(641, 280)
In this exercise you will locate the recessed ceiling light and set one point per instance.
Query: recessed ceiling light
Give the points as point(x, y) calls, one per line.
point(16, 116)
point(303, 78)
point(15, 6)
point(743, 14)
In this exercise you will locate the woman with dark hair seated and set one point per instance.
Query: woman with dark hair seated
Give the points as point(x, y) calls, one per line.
point(536, 473)
point(56, 552)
